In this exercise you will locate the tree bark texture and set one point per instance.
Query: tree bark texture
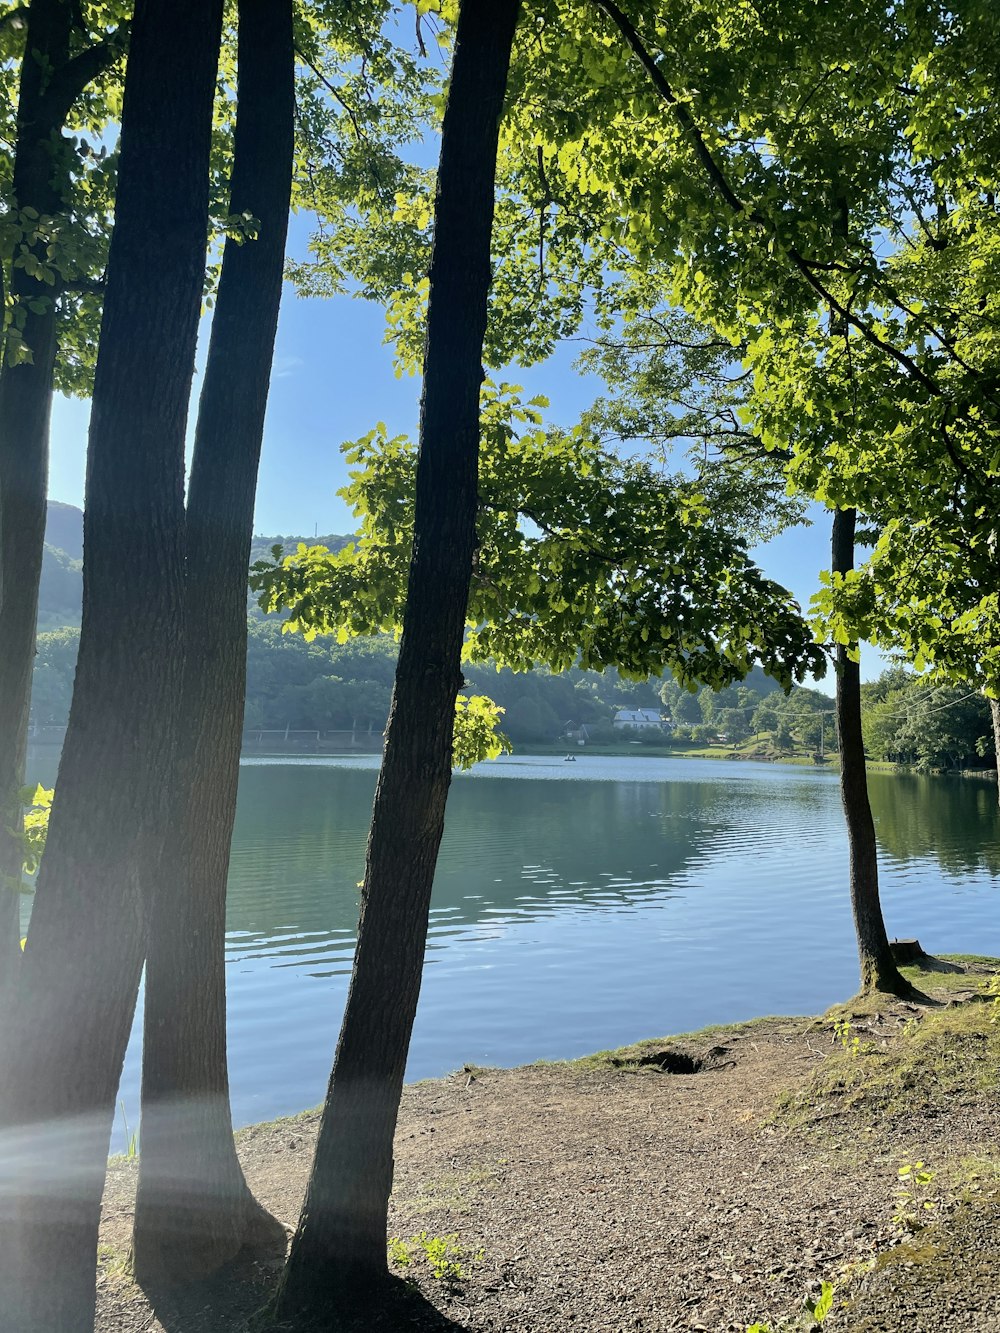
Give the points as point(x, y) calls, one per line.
point(70, 1023)
point(41, 182)
point(878, 968)
point(193, 1210)
point(338, 1252)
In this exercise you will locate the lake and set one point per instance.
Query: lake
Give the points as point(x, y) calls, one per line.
point(579, 906)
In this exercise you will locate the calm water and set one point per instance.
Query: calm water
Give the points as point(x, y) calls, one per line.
point(580, 906)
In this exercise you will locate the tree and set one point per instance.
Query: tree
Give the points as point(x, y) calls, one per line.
point(339, 1247)
point(875, 365)
point(851, 266)
point(783, 739)
point(909, 719)
point(41, 256)
point(782, 252)
point(65, 1040)
point(765, 717)
point(878, 967)
point(532, 719)
point(193, 1209)
point(620, 568)
point(685, 707)
point(676, 385)
point(733, 723)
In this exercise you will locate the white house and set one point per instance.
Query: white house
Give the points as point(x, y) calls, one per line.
point(636, 719)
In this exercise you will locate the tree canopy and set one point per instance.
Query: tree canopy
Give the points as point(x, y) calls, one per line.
point(583, 558)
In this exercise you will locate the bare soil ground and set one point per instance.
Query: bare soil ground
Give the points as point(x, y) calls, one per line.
point(662, 1188)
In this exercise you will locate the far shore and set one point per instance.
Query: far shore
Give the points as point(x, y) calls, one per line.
point(749, 751)
point(638, 750)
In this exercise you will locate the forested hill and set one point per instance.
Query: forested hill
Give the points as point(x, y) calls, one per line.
point(61, 591)
point(323, 686)
point(61, 594)
point(64, 529)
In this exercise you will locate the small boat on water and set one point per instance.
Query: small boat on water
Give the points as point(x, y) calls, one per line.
point(570, 759)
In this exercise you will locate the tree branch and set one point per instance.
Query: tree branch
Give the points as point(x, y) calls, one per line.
point(93, 286)
point(684, 117)
point(718, 179)
point(69, 81)
point(352, 115)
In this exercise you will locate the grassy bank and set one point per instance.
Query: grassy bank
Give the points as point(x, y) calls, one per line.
point(749, 750)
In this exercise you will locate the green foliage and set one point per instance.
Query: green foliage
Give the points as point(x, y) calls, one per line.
point(850, 1042)
point(131, 1140)
point(812, 1316)
point(477, 735)
point(675, 385)
point(912, 1197)
point(446, 1259)
point(60, 592)
point(61, 256)
point(912, 720)
point(583, 560)
point(320, 686)
point(947, 1054)
point(798, 181)
point(37, 804)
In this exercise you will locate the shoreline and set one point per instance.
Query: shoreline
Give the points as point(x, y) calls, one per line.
point(633, 751)
point(704, 1181)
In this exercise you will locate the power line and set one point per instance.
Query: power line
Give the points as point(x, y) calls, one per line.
point(953, 703)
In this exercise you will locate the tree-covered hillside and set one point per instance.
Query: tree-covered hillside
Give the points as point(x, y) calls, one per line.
point(61, 592)
point(323, 686)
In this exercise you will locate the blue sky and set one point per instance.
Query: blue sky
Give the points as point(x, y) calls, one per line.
point(333, 381)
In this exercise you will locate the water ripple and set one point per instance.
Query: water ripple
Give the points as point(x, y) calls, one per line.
point(580, 906)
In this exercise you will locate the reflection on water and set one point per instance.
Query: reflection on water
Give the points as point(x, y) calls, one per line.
point(580, 906)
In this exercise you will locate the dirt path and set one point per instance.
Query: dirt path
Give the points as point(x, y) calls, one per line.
point(596, 1197)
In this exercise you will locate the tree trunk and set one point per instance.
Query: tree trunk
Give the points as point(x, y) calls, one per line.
point(193, 1210)
point(878, 968)
point(70, 1022)
point(339, 1250)
point(995, 715)
point(40, 181)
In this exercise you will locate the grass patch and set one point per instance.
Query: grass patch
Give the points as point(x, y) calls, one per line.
point(938, 978)
point(282, 1122)
point(945, 1053)
point(113, 1264)
point(455, 1192)
point(948, 977)
point(969, 1179)
point(980, 963)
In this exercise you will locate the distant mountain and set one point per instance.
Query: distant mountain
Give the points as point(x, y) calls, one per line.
point(64, 528)
point(260, 547)
point(60, 596)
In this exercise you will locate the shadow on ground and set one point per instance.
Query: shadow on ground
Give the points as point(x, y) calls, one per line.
point(236, 1302)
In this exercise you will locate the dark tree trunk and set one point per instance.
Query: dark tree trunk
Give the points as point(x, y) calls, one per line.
point(339, 1250)
point(40, 181)
point(193, 1210)
point(878, 968)
point(69, 1026)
